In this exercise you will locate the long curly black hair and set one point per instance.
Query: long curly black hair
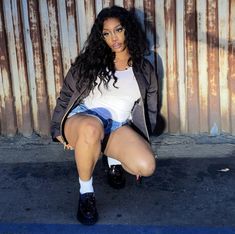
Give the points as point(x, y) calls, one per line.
point(97, 59)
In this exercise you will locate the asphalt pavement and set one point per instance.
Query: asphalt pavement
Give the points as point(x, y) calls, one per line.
point(192, 190)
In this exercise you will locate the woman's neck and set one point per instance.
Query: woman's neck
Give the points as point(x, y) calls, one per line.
point(121, 60)
point(124, 55)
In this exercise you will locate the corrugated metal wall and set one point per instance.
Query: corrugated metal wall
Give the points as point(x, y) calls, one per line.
point(193, 49)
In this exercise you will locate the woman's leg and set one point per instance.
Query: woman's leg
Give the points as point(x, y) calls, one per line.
point(132, 150)
point(84, 133)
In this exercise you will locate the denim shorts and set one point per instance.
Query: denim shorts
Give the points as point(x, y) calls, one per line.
point(109, 124)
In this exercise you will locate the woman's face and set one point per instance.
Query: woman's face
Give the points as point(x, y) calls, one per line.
point(114, 35)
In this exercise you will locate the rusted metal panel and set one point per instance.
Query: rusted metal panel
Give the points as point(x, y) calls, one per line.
point(202, 64)
point(119, 3)
point(8, 17)
point(98, 6)
point(74, 49)
point(150, 29)
point(223, 21)
point(213, 65)
point(129, 4)
point(191, 66)
point(90, 13)
point(231, 63)
point(43, 109)
point(107, 3)
point(81, 20)
point(30, 65)
point(192, 45)
point(26, 127)
point(7, 108)
point(171, 69)
point(55, 44)
point(180, 41)
point(48, 58)
point(64, 36)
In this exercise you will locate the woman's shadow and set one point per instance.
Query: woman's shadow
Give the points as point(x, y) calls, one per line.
point(148, 27)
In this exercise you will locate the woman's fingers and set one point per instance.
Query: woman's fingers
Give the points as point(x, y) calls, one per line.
point(67, 147)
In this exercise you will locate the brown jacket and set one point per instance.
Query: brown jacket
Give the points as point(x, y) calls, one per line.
point(144, 112)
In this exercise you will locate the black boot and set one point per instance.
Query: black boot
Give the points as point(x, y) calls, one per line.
point(87, 212)
point(116, 177)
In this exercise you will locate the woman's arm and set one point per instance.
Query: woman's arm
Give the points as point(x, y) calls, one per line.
point(152, 99)
point(66, 93)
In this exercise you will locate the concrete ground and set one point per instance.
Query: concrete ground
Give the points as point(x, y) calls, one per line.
point(193, 187)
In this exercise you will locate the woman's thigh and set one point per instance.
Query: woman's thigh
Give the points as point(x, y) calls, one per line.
point(132, 150)
point(82, 125)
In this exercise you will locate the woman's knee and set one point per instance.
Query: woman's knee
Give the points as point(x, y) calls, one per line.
point(91, 131)
point(147, 166)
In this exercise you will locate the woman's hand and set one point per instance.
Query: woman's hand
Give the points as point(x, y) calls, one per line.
point(66, 146)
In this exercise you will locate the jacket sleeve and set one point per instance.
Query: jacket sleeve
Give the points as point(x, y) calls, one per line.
point(66, 93)
point(152, 99)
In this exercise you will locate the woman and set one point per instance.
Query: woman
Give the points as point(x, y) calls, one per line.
point(108, 99)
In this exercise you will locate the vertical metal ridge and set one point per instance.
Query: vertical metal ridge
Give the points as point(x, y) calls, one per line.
point(43, 116)
point(171, 69)
point(191, 66)
point(213, 68)
point(8, 125)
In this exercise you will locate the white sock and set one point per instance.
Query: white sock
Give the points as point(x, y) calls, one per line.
point(86, 186)
point(112, 161)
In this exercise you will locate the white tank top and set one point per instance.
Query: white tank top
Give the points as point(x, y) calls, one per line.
point(115, 103)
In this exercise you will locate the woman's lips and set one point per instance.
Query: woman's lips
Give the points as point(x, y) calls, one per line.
point(116, 45)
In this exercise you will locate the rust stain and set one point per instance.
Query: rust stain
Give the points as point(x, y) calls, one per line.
point(213, 63)
point(231, 50)
point(8, 117)
point(191, 63)
point(171, 69)
point(26, 111)
point(129, 4)
point(43, 112)
point(55, 41)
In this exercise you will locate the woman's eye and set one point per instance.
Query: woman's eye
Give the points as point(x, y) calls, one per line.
point(119, 29)
point(105, 34)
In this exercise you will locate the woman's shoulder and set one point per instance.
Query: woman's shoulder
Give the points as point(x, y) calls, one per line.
point(147, 63)
point(71, 77)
